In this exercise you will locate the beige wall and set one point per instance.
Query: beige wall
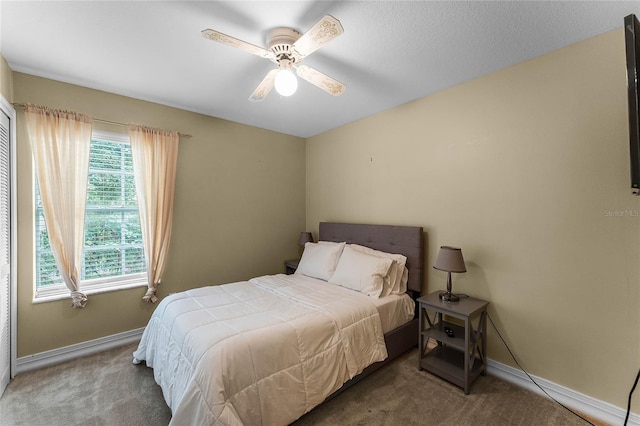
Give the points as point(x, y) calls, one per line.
point(239, 209)
point(524, 169)
point(6, 79)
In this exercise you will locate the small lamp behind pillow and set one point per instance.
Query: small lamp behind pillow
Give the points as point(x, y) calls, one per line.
point(305, 237)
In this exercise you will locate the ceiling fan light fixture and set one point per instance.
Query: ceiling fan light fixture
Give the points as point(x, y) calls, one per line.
point(286, 82)
point(286, 47)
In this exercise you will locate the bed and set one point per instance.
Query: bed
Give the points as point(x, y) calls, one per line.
point(268, 350)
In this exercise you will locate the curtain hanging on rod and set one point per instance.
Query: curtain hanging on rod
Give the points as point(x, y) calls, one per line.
point(60, 142)
point(155, 155)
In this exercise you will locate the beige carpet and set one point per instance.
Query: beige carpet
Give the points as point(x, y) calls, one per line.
point(106, 389)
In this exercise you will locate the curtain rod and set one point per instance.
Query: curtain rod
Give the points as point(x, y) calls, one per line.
point(115, 123)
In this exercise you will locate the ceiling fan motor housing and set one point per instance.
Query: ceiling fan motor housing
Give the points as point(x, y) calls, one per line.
point(280, 40)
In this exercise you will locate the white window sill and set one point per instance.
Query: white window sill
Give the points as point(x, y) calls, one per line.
point(61, 293)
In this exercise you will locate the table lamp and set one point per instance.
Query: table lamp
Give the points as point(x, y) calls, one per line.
point(449, 260)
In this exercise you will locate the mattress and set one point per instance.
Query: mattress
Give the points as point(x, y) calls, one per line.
point(394, 310)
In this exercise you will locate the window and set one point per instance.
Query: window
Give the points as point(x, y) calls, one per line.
point(113, 253)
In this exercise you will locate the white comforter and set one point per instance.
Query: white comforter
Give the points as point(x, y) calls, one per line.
point(263, 351)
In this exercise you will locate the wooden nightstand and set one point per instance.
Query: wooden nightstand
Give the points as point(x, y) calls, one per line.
point(460, 355)
point(290, 266)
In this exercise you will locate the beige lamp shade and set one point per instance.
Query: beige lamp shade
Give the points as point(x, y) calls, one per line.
point(450, 260)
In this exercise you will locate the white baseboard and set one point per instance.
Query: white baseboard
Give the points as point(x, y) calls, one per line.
point(67, 353)
point(576, 401)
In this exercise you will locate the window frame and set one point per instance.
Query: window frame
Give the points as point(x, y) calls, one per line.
point(91, 286)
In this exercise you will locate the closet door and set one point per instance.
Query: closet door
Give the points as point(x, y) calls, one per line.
point(5, 252)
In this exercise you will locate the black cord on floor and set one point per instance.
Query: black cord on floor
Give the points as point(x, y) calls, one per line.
point(531, 378)
point(626, 419)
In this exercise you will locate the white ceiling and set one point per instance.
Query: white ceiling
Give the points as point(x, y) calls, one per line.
point(391, 52)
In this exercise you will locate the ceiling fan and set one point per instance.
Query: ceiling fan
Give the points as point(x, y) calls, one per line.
point(287, 48)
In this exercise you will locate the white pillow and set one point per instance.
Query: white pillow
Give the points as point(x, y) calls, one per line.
point(390, 278)
point(397, 274)
point(361, 272)
point(320, 260)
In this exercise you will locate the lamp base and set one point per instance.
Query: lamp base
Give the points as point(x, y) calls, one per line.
point(447, 296)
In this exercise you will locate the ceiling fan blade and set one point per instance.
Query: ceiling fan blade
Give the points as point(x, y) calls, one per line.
point(320, 34)
point(234, 42)
point(320, 80)
point(264, 87)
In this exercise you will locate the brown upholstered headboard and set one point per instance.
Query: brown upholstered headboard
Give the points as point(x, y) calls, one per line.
point(405, 240)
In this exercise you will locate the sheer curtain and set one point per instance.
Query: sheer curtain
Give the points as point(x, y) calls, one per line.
point(61, 141)
point(155, 155)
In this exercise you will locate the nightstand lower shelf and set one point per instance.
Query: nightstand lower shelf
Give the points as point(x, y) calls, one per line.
point(448, 362)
